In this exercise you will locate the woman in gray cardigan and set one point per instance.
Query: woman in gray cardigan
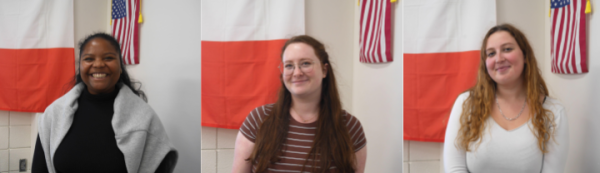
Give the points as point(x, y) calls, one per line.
point(103, 124)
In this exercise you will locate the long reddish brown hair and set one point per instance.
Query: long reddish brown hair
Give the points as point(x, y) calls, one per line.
point(478, 106)
point(332, 140)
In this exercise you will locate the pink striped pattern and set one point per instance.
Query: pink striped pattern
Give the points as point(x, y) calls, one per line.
point(125, 29)
point(568, 37)
point(375, 31)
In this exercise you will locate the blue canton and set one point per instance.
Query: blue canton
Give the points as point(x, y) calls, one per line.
point(118, 9)
point(560, 3)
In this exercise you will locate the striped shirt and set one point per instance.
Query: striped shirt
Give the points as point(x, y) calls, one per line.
point(299, 139)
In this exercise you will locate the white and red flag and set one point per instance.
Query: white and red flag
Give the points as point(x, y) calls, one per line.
point(125, 21)
point(442, 41)
point(37, 58)
point(375, 31)
point(241, 49)
point(568, 37)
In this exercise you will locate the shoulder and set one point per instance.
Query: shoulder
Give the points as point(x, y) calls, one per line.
point(349, 118)
point(261, 112)
point(254, 120)
point(556, 107)
point(132, 113)
point(352, 122)
point(65, 104)
point(463, 96)
point(355, 130)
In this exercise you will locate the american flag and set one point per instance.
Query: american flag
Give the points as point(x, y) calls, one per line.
point(375, 31)
point(568, 36)
point(125, 17)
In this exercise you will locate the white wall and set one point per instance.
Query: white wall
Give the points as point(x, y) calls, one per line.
point(579, 94)
point(331, 22)
point(169, 71)
point(377, 100)
point(528, 16)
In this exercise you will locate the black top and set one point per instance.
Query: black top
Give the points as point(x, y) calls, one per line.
point(90, 144)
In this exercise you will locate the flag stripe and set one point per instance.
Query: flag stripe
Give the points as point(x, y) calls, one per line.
point(126, 29)
point(235, 88)
point(31, 79)
point(568, 37)
point(364, 20)
point(441, 58)
point(375, 31)
point(37, 55)
point(377, 40)
point(433, 80)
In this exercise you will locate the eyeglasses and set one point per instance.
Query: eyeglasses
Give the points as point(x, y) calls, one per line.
point(287, 68)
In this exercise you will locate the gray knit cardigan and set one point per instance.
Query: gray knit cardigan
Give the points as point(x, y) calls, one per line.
point(139, 133)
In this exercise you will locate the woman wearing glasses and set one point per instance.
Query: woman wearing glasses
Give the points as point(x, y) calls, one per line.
point(506, 122)
point(306, 130)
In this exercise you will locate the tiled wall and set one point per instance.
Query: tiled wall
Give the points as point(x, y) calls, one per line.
point(217, 149)
point(423, 157)
point(16, 140)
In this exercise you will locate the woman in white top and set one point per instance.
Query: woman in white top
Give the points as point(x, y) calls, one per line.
point(506, 122)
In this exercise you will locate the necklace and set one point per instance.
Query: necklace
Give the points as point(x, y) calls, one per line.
point(518, 115)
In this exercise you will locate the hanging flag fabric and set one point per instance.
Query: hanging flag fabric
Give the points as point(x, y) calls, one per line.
point(241, 51)
point(375, 31)
point(37, 58)
point(568, 45)
point(125, 28)
point(442, 41)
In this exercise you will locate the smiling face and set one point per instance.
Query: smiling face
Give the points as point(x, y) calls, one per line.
point(303, 82)
point(99, 66)
point(504, 59)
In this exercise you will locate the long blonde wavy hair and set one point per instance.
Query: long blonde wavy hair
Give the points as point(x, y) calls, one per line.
point(478, 106)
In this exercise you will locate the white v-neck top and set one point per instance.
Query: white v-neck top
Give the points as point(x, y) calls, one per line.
point(502, 151)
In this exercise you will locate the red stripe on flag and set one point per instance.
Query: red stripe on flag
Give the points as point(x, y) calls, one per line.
point(379, 25)
point(559, 41)
point(388, 40)
point(33, 78)
point(432, 82)
point(572, 45)
point(238, 76)
point(136, 46)
point(553, 41)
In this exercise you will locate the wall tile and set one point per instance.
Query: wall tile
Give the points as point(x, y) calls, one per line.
point(424, 167)
point(405, 149)
point(405, 167)
point(226, 138)
point(4, 138)
point(21, 118)
point(20, 136)
point(3, 160)
point(209, 138)
point(208, 161)
point(224, 160)
point(421, 151)
point(16, 154)
point(442, 158)
point(28, 171)
point(4, 118)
